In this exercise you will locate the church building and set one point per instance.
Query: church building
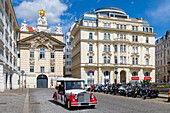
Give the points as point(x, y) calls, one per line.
point(40, 54)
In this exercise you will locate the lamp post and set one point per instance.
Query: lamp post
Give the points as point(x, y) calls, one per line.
point(158, 76)
point(116, 73)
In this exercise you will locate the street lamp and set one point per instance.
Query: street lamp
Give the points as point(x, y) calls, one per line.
point(116, 72)
point(158, 76)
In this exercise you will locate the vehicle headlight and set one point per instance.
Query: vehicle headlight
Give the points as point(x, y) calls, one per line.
point(76, 97)
point(92, 96)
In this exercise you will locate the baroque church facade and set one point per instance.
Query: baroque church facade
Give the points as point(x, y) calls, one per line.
point(40, 54)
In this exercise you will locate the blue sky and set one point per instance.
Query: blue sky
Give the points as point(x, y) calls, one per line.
point(64, 11)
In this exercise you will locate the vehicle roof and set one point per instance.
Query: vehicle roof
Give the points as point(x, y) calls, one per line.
point(68, 79)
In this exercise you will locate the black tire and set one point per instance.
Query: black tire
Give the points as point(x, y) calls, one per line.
point(93, 106)
point(144, 97)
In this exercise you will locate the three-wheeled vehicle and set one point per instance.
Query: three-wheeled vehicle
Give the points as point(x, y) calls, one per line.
point(71, 92)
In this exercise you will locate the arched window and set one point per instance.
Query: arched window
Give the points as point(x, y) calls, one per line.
point(136, 50)
point(115, 59)
point(121, 48)
point(124, 48)
point(90, 59)
point(105, 48)
point(108, 48)
point(136, 38)
point(133, 61)
point(133, 49)
point(106, 77)
point(105, 36)
point(108, 36)
point(135, 74)
point(147, 61)
point(108, 60)
point(147, 40)
point(90, 36)
point(105, 60)
point(115, 48)
point(136, 60)
point(147, 74)
point(90, 78)
point(90, 47)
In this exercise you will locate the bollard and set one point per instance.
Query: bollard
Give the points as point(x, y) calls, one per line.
point(169, 96)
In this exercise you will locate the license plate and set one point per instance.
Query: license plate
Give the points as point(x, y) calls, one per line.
point(84, 103)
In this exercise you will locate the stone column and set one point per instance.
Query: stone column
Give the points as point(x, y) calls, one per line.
point(8, 81)
point(2, 80)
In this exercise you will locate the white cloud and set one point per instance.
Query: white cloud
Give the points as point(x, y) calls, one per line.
point(132, 2)
point(98, 1)
point(160, 13)
point(29, 10)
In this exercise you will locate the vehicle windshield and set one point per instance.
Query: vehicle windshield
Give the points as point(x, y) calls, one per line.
point(74, 85)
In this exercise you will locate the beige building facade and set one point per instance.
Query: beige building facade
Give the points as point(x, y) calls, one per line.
point(162, 60)
point(41, 54)
point(108, 38)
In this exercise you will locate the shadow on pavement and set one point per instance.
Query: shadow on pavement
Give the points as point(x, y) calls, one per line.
point(73, 108)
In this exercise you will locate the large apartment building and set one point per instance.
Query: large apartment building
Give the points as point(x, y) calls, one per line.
point(8, 48)
point(108, 40)
point(162, 58)
point(41, 53)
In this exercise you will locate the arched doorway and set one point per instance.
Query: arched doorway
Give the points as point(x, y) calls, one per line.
point(122, 77)
point(106, 77)
point(42, 81)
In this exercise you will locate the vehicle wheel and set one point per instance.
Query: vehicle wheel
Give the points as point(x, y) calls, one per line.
point(134, 96)
point(93, 106)
point(144, 97)
point(68, 104)
point(114, 93)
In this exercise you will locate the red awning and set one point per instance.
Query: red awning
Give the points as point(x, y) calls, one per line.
point(147, 78)
point(135, 78)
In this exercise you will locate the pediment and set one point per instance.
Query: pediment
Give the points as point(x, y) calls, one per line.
point(41, 39)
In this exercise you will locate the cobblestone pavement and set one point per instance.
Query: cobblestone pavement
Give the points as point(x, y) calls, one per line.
point(41, 102)
point(12, 101)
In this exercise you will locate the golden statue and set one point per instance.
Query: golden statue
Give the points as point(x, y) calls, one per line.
point(42, 13)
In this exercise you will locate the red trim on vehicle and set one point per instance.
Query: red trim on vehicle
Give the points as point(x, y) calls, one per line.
point(135, 78)
point(72, 100)
point(94, 100)
point(55, 96)
point(147, 78)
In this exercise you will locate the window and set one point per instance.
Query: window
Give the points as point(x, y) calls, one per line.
point(124, 60)
point(121, 27)
point(124, 26)
point(52, 69)
point(108, 60)
point(115, 59)
point(121, 48)
point(136, 28)
point(105, 60)
point(18, 54)
point(121, 60)
point(124, 36)
point(31, 68)
point(147, 74)
point(105, 48)
point(109, 25)
point(133, 61)
point(121, 36)
point(90, 47)
point(42, 53)
point(69, 56)
point(134, 74)
point(133, 38)
point(52, 54)
point(136, 60)
point(115, 48)
point(136, 50)
point(108, 48)
point(147, 40)
point(117, 26)
point(105, 36)
point(108, 36)
point(133, 28)
point(90, 59)
point(42, 69)
point(124, 48)
point(90, 36)
point(147, 51)
point(105, 25)
point(147, 61)
point(136, 38)
point(69, 62)
point(133, 49)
